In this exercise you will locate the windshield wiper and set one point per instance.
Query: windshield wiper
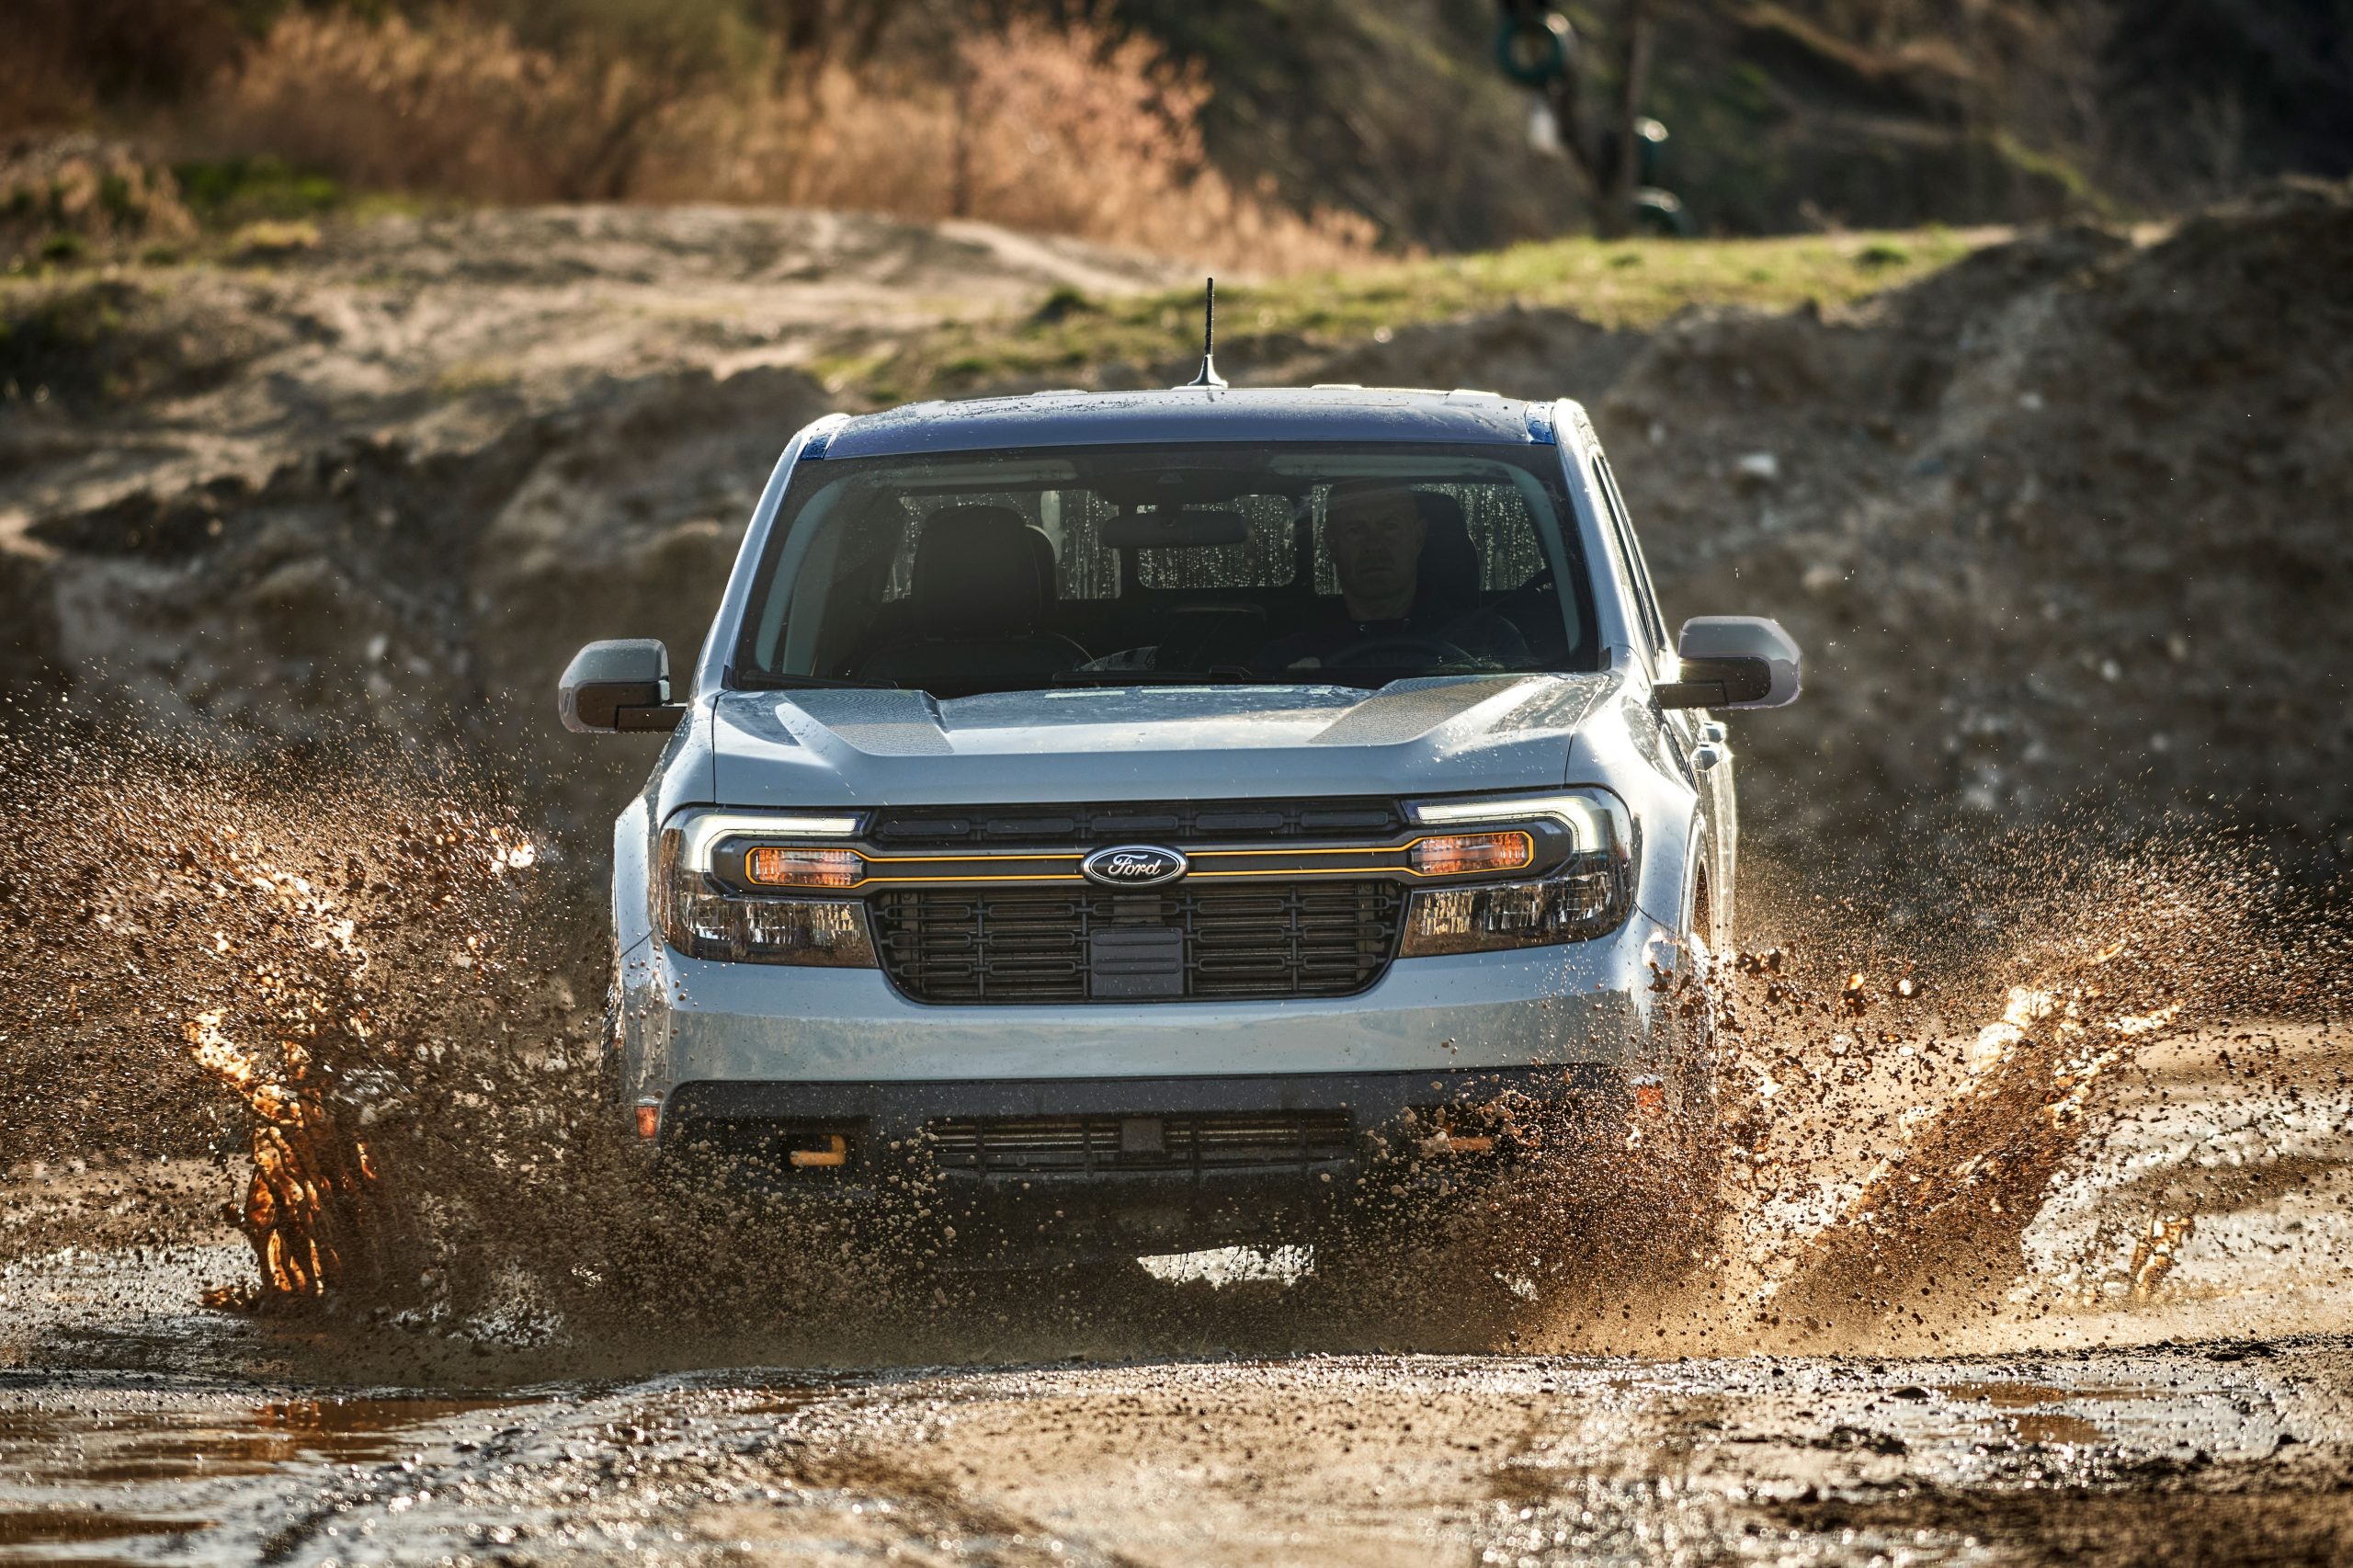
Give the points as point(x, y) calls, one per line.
point(763, 681)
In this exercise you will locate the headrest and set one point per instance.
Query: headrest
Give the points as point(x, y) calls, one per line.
point(1451, 572)
point(977, 573)
point(1043, 549)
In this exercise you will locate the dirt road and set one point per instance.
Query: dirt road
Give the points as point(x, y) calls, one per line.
point(1242, 1422)
point(2189, 1455)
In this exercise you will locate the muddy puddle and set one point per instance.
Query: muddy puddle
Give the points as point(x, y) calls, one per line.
point(155, 1472)
point(1301, 1457)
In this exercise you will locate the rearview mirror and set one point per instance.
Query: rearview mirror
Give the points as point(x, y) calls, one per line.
point(1181, 528)
point(1732, 661)
point(619, 684)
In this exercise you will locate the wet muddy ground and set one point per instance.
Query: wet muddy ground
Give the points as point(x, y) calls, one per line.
point(2180, 1453)
point(1181, 1422)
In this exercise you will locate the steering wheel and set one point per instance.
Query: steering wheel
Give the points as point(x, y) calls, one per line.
point(1432, 653)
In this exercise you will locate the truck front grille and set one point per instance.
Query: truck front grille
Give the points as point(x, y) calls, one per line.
point(1037, 1145)
point(1262, 940)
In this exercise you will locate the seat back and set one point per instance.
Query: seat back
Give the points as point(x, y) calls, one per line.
point(978, 593)
point(1452, 574)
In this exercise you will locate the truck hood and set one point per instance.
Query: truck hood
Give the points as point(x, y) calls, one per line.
point(862, 747)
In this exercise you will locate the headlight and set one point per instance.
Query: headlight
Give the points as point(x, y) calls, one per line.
point(714, 880)
point(1588, 896)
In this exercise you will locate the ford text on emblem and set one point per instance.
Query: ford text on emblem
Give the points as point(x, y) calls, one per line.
point(1134, 865)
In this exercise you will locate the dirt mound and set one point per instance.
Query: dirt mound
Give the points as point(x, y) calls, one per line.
point(431, 596)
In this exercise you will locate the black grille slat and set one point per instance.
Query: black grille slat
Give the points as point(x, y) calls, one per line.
point(1220, 1140)
point(1274, 940)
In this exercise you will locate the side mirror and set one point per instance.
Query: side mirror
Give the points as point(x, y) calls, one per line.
point(1732, 661)
point(620, 685)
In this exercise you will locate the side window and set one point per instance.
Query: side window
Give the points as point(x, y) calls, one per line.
point(1638, 571)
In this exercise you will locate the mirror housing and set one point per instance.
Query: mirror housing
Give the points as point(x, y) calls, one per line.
point(619, 684)
point(1732, 661)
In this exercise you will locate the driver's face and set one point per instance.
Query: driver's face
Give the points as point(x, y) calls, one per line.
point(1376, 545)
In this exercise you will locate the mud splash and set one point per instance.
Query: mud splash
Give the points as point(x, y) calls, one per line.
point(1888, 1121)
point(356, 960)
point(1891, 1136)
point(362, 981)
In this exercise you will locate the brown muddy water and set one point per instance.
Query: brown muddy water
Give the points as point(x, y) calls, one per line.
point(2023, 1238)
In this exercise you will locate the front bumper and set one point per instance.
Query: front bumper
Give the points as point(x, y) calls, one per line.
point(1108, 1195)
point(727, 1049)
point(688, 1021)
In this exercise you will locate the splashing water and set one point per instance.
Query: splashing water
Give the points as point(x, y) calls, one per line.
point(1888, 1158)
point(380, 967)
point(362, 978)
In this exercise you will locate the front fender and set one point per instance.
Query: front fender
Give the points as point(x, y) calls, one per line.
point(632, 881)
point(1623, 747)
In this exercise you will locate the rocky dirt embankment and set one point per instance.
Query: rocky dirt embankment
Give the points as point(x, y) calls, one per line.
point(2068, 517)
point(2072, 518)
point(384, 482)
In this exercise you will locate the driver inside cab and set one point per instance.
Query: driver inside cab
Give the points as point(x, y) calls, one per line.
point(1388, 617)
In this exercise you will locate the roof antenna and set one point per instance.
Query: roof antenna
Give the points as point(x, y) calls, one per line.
point(1208, 376)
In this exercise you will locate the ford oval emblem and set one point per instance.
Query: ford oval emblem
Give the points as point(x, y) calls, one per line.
point(1134, 865)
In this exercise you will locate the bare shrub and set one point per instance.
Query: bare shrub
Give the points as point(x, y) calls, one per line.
point(455, 107)
point(1073, 129)
point(62, 60)
point(1085, 131)
point(76, 196)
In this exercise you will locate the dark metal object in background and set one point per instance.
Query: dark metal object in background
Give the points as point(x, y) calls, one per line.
point(1536, 46)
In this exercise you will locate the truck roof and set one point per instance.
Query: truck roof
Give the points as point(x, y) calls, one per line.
point(1192, 414)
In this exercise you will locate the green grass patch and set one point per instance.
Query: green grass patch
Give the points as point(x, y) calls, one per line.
point(236, 199)
point(1622, 284)
point(271, 238)
point(229, 193)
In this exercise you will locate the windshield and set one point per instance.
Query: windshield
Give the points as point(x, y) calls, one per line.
point(1356, 564)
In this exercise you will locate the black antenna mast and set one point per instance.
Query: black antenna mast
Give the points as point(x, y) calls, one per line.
point(1208, 376)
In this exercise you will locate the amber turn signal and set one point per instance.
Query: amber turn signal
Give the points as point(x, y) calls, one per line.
point(834, 1153)
point(1452, 855)
point(773, 868)
point(649, 1119)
